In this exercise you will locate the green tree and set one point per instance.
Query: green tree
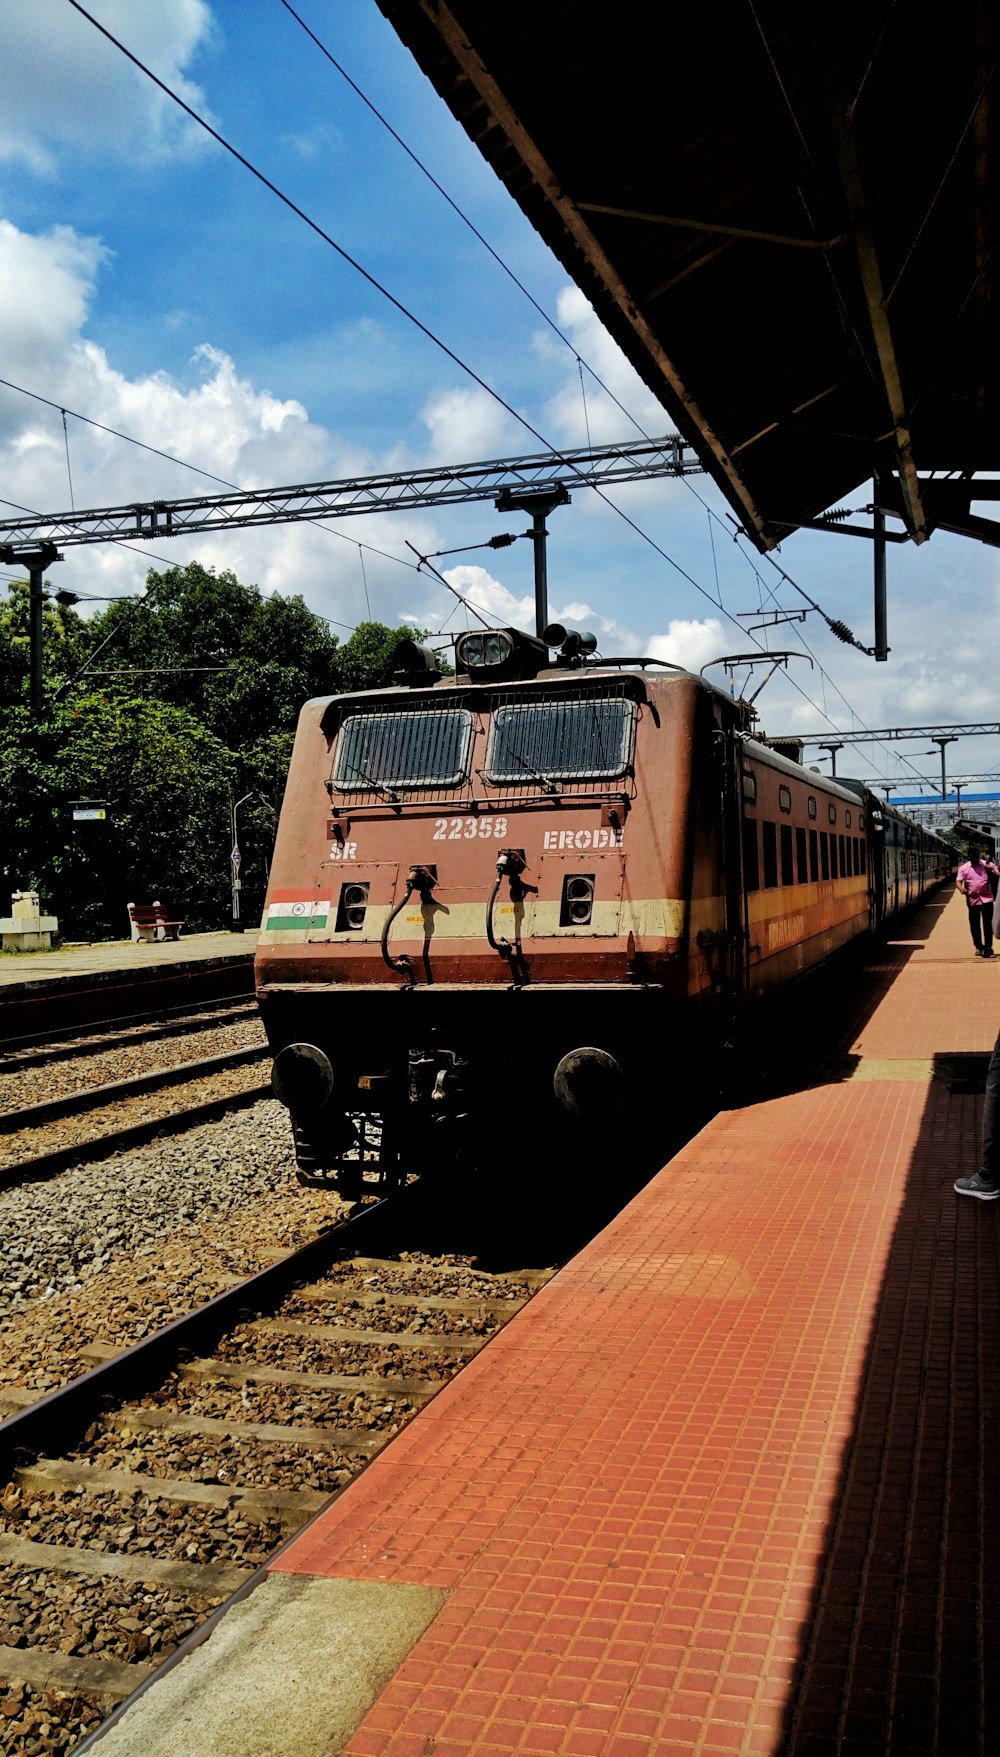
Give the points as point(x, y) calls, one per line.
point(169, 708)
point(369, 659)
point(166, 782)
point(65, 637)
point(201, 640)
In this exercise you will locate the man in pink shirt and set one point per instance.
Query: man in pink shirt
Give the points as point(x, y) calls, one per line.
point(973, 880)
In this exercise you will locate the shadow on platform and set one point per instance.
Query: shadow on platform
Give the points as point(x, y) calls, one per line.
point(900, 1652)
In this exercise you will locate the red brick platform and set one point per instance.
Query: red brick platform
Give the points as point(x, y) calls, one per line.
point(723, 1486)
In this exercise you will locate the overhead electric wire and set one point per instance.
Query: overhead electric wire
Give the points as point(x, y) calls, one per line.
point(834, 624)
point(319, 230)
point(182, 463)
point(115, 433)
point(371, 279)
point(398, 304)
point(456, 209)
point(751, 563)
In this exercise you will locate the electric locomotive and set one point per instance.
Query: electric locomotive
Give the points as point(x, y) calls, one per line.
point(535, 896)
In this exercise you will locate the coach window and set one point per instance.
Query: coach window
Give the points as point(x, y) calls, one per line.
point(801, 865)
point(769, 840)
point(844, 868)
point(784, 799)
point(813, 857)
point(812, 806)
point(847, 819)
point(833, 855)
point(857, 855)
point(750, 788)
point(787, 869)
point(861, 820)
point(832, 813)
point(824, 854)
point(864, 858)
point(751, 863)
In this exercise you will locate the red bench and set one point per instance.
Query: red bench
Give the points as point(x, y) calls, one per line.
point(151, 922)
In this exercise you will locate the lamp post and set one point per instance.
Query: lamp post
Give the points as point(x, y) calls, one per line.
point(237, 925)
point(951, 738)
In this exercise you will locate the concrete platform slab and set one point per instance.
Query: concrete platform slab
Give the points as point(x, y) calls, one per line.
point(289, 1672)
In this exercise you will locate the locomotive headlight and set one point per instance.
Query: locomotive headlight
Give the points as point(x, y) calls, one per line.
point(302, 1077)
point(589, 1082)
point(475, 651)
point(500, 654)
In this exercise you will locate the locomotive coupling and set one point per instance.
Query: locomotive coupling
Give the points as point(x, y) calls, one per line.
point(589, 1083)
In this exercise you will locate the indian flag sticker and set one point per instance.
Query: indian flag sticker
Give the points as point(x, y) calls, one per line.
point(295, 917)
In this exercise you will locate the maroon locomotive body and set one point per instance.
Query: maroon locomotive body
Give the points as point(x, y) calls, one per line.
point(538, 897)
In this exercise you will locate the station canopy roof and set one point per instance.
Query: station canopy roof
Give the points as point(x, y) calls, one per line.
point(783, 213)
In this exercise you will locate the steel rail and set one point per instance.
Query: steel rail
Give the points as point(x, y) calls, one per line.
point(49, 1046)
point(44, 1165)
point(60, 1417)
point(34, 1116)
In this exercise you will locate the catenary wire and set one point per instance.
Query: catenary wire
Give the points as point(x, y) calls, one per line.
point(459, 211)
point(372, 281)
point(414, 157)
point(391, 298)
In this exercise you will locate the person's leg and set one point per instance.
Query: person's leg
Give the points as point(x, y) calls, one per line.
point(985, 1184)
point(976, 926)
point(987, 929)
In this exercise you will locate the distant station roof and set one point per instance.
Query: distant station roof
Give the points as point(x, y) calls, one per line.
point(783, 213)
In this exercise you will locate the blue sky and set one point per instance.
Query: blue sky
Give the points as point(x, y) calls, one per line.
point(150, 282)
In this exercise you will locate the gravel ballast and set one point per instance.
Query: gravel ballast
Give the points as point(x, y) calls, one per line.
point(110, 1251)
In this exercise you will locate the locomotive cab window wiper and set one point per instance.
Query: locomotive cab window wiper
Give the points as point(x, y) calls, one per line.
point(545, 781)
point(370, 781)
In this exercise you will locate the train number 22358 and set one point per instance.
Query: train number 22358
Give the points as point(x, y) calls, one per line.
point(458, 829)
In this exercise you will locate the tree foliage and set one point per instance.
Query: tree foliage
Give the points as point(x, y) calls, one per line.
point(169, 710)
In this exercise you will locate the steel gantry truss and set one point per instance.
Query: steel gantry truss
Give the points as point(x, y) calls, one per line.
point(942, 736)
point(533, 484)
point(586, 467)
point(892, 733)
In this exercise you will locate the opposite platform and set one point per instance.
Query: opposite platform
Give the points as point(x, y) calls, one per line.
point(723, 1486)
point(109, 957)
point(91, 984)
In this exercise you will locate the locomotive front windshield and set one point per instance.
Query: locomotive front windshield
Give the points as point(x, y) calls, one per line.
point(565, 740)
point(388, 750)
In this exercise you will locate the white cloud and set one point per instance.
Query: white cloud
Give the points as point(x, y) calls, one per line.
point(468, 423)
point(590, 415)
point(46, 285)
point(218, 420)
point(689, 643)
point(95, 100)
point(503, 609)
point(499, 605)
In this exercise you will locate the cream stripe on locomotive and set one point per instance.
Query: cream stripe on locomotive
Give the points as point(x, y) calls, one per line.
point(649, 919)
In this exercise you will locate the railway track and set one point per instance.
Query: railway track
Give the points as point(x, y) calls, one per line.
point(76, 1112)
point(32, 1147)
point(41, 1049)
point(145, 1492)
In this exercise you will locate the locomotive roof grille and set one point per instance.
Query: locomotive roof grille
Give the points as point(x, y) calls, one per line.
point(569, 737)
point(561, 740)
point(378, 752)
